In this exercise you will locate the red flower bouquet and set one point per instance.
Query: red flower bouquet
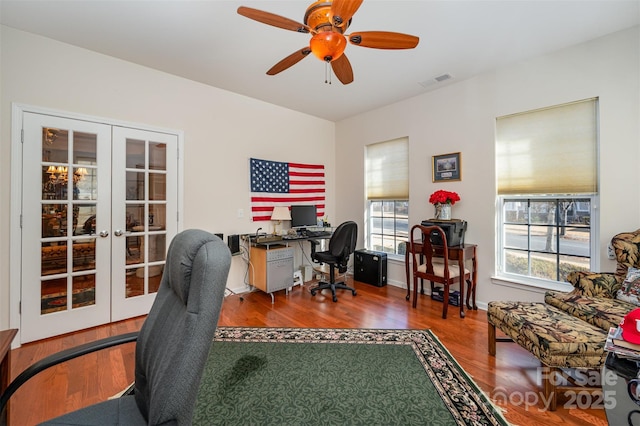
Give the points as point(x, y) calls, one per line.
point(444, 197)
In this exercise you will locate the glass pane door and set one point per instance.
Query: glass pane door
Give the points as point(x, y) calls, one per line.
point(99, 208)
point(66, 192)
point(69, 197)
point(141, 202)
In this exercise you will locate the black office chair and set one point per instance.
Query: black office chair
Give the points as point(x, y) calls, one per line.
point(172, 345)
point(341, 245)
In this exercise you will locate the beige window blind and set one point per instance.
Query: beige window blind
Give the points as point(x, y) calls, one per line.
point(548, 151)
point(387, 170)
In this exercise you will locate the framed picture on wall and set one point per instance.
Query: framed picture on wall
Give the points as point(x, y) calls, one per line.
point(447, 167)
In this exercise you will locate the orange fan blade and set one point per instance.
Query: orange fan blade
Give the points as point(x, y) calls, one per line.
point(383, 40)
point(289, 61)
point(342, 69)
point(273, 19)
point(343, 10)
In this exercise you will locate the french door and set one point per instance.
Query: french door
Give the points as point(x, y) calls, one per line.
point(99, 206)
point(144, 216)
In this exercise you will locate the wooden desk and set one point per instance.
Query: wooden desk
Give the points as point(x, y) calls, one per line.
point(460, 253)
point(6, 337)
point(270, 260)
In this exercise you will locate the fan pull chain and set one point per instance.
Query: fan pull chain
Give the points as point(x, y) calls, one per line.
point(327, 72)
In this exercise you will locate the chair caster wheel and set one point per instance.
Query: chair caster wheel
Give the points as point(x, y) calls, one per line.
point(407, 297)
point(335, 298)
point(353, 292)
point(313, 292)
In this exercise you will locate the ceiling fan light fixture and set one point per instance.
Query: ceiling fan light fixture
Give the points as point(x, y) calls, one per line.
point(328, 46)
point(327, 21)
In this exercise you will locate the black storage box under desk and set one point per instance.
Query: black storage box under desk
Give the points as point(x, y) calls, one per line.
point(438, 294)
point(370, 267)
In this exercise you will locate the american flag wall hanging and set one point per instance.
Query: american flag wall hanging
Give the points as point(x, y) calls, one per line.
point(275, 183)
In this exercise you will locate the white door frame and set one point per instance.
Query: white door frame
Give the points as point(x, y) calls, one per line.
point(15, 219)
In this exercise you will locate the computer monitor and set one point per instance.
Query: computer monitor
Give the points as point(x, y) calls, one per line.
point(303, 216)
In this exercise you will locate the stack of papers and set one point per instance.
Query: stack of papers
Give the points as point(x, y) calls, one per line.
point(615, 343)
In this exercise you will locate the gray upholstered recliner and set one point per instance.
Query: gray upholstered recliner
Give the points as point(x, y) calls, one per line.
point(172, 345)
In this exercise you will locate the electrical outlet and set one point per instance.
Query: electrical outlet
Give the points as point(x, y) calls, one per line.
point(611, 254)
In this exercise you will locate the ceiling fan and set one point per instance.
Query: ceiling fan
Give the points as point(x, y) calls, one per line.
point(327, 21)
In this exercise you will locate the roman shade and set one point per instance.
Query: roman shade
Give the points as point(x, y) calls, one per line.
point(548, 151)
point(387, 170)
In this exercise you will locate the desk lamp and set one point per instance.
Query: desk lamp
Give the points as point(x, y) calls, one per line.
point(279, 214)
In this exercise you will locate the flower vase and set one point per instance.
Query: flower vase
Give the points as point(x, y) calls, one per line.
point(443, 211)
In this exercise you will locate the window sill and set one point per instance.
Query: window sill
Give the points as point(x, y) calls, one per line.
point(531, 284)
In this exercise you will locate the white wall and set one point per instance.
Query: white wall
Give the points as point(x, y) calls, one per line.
point(222, 130)
point(460, 117)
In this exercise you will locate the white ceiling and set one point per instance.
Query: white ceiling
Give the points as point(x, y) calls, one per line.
point(207, 41)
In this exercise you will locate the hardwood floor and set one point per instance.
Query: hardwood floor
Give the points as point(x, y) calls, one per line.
point(513, 372)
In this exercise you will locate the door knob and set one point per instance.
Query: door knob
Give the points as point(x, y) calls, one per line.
point(104, 234)
point(118, 232)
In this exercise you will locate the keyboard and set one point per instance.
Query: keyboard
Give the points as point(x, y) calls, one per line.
point(317, 233)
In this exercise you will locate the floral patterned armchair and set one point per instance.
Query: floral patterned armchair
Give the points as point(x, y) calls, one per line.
point(627, 250)
point(569, 330)
point(596, 297)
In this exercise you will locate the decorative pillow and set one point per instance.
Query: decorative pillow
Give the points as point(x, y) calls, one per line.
point(630, 291)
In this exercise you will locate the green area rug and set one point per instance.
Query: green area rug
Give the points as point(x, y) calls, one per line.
point(301, 376)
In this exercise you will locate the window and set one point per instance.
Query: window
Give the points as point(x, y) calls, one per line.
point(388, 225)
point(546, 237)
point(387, 186)
point(546, 162)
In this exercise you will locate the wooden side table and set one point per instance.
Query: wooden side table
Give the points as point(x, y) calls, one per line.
point(460, 253)
point(6, 337)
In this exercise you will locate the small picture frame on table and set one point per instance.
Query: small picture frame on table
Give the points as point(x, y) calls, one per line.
point(447, 167)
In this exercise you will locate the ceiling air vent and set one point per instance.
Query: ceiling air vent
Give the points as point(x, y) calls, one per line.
point(442, 78)
point(435, 80)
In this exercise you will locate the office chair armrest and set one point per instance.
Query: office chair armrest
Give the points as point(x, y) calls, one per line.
point(62, 356)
